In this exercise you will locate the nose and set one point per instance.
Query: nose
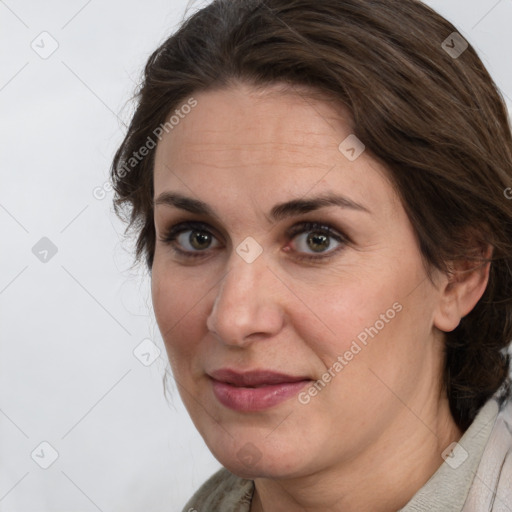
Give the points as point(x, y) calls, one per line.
point(247, 305)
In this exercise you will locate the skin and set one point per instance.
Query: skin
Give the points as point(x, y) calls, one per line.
point(375, 433)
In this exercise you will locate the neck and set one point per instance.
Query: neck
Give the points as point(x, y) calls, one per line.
point(383, 478)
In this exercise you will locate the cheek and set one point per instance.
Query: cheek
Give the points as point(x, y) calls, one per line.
point(382, 335)
point(177, 309)
point(166, 305)
point(347, 309)
point(381, 321)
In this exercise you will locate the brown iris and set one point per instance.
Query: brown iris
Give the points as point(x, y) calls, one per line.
point(200, 240)
point(317, 242)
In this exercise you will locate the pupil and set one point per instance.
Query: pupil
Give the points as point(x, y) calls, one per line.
point(318, 242)
point(199, 240)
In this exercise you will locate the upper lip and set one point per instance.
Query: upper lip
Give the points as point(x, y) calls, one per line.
point(254, 378)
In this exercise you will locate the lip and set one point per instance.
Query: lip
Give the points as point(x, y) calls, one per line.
point(254, 390)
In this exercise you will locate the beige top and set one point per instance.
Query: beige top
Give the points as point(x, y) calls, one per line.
point(452, 488)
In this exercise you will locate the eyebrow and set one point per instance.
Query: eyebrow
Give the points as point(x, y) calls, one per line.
point(278, 212)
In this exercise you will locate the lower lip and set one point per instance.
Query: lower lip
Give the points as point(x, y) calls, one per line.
point(255, 399)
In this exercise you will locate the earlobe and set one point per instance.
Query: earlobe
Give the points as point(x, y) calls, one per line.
point(461, 289)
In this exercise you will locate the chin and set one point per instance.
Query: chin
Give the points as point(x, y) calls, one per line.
point(253, 458)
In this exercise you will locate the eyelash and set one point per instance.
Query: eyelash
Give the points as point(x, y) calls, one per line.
point(170, 235)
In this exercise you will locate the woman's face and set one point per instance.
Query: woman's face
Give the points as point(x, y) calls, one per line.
point(294, 264)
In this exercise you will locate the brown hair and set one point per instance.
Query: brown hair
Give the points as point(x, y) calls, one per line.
point(434, 119)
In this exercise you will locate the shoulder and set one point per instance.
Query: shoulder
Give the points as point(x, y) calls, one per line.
point(492, 485)
point(223, 491)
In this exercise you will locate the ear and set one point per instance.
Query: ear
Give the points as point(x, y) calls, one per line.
point(461, 289)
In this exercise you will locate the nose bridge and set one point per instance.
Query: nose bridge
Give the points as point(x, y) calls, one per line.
point(246, 301)
point(240, 288)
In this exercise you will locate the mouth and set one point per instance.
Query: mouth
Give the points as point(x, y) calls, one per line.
point(254, 390)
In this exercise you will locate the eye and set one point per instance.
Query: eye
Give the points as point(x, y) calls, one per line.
point(315, 240)
point(188, 238)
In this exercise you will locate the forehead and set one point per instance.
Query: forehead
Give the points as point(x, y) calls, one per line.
point(264, 142)
point(242, 119)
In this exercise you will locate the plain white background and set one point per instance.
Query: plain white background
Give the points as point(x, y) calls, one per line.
point(70, 325)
